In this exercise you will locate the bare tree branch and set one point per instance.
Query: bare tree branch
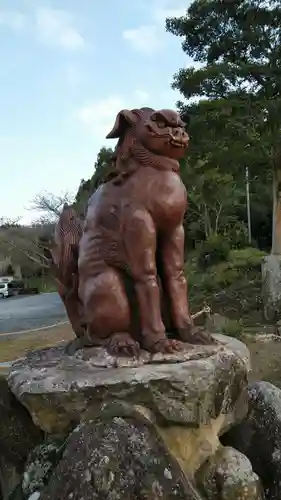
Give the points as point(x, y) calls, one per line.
point(50, 206)
point(34, 256)
point(26, 242)
point(33, 243)
point(6, 222)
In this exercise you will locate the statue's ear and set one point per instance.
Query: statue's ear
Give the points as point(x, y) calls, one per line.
point(124, 119)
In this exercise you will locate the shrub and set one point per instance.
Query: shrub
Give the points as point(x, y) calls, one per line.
point(247, 258)
point(212, 251)
point(237, 235)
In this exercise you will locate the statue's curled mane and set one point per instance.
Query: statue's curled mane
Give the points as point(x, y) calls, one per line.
point(122, 167)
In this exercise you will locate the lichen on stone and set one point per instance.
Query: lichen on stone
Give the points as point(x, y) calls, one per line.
point(40, 464)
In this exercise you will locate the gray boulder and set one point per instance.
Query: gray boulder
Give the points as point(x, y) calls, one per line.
point(114, 458)
point(18, 435)
point(258, 436)
point(228, 475)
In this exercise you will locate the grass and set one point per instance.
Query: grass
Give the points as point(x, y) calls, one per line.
point(15, 347)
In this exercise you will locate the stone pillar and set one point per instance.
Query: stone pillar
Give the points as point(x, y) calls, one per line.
point(271, 287)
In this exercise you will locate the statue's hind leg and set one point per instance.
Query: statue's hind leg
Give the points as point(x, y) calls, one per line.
point(107, 312)
point(71, 303)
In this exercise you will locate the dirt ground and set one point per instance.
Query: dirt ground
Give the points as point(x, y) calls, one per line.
point(266, 361)
point(265, 356)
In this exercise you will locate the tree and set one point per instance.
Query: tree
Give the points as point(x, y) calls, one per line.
point(101, 169)
point(50, 207)
point(238, 47)
point(29, 246)
point(212, 196)
point(219, 147)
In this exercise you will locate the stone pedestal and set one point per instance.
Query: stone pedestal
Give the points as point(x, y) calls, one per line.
point(192, 388)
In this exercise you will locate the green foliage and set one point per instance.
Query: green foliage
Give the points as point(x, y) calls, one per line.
point(101, 168)
point(212, 251)
point(237, 235)
point(226, 133)
point(237, 43)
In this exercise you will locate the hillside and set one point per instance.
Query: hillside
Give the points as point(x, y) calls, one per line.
point(231, 288)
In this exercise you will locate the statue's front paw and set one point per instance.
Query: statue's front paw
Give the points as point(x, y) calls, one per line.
point(160, 343)
point(195, 335)
point(73, 346)
point(122, 344)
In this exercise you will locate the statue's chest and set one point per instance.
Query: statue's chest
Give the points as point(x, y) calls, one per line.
point(164, 195)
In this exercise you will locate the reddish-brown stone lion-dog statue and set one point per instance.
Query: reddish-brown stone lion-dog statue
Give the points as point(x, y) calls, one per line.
point(134, 227)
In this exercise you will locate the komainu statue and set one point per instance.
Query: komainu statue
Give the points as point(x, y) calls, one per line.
point(131, 253)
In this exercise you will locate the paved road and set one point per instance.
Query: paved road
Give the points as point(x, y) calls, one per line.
point(35, 311)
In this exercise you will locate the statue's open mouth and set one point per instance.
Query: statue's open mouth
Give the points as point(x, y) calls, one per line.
point(176, 143)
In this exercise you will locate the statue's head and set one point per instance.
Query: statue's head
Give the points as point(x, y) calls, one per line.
point(160, 132)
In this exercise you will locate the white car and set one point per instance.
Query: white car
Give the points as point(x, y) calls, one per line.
point(6, 290)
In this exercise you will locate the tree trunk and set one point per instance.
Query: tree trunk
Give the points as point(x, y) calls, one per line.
point(207, 223)
point(276, 214)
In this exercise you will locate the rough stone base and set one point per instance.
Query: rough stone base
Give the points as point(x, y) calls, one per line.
point(192, 388)
point(130, 427)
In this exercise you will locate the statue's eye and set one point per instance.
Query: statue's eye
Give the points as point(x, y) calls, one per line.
point(161, 124)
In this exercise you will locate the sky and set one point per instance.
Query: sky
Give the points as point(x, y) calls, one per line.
point(66, 68)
